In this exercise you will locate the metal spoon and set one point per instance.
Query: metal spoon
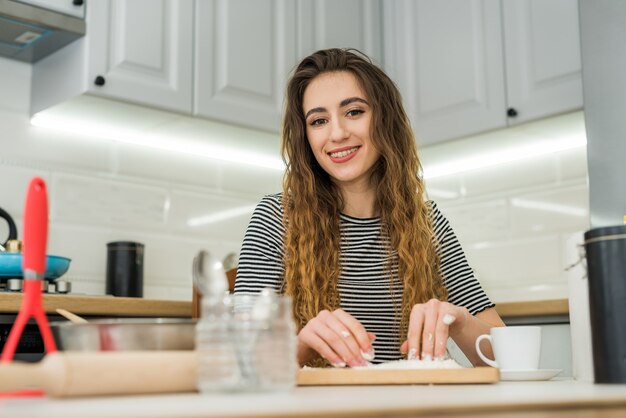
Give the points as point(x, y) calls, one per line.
point(209, 276)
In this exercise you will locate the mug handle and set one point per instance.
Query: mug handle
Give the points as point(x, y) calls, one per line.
point(480, 354)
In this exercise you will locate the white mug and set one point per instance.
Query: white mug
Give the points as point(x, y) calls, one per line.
point(514, 348)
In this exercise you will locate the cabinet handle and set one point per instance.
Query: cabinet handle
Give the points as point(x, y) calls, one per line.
point(511, 112)
point(77, 2)
point(99, 81)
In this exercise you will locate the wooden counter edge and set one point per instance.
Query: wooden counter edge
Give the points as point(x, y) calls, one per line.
point(102, 305)
point(533, 308)
point(119, 306)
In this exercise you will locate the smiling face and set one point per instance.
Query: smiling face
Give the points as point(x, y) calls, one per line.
point(338, 118)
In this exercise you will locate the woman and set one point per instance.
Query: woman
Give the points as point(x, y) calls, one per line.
point(374, 270)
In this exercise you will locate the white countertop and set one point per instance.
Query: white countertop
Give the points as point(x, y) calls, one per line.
point(533, 398)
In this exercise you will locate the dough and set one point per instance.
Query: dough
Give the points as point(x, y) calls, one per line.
point(416, 364)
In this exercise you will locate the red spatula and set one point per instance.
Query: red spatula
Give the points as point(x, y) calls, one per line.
point(34, 268)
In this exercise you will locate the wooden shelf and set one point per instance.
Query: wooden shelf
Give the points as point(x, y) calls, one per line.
point(119, 306)
point(102, 305)
point(533, 308)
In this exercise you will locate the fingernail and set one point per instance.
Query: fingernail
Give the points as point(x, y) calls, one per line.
point(345, 334)
point(412, 353)
point(448, 319)
point(368, 355)
point(427, 357)
point(430, 336)
point(339, 364)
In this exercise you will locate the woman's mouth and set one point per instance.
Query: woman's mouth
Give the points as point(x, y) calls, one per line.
point(343, 155)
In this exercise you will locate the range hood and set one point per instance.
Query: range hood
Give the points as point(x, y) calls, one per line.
point(29, 33)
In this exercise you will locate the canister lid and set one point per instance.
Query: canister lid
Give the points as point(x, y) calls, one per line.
point(124, 245)
point(603, 232)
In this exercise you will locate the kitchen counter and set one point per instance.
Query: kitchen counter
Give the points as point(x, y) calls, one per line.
point(102, 305)
point(505, 399)
point(533, 308)
point(119, 306)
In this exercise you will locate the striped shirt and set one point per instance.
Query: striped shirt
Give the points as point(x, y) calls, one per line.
point(365, 288)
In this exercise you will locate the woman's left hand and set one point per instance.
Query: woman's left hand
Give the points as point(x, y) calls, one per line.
point(430, 324)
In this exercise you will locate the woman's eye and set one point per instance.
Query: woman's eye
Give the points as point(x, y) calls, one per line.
point(319, 121)
point(355, 112)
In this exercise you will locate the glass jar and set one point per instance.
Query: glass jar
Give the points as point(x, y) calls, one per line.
point(246, 343)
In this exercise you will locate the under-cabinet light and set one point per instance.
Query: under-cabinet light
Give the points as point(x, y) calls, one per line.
point(503, 156)
point(90, 129)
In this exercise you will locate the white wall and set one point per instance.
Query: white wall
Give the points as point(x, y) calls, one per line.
point(103, 191)
point(603, 29)
point(514, 219)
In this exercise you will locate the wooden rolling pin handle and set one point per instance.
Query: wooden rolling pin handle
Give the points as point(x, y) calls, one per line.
point(65, 374)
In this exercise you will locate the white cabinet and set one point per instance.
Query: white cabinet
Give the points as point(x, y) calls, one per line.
point(68, 7)
point(340, 24)
point(141, 51)
point(543, 66)
point(446, 57)
point(466, 66)
point(227, 60)
point(244, 52)
point(246, 49)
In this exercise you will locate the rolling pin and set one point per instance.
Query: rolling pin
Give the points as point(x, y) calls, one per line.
point(66, 374)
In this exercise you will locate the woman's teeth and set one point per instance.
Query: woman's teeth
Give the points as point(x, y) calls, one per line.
point(343, 153)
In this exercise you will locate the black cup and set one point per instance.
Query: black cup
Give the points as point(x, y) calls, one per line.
point(124, 269)
point(605, 249)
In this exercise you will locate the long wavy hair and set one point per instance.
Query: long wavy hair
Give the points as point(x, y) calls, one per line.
point(312, 203)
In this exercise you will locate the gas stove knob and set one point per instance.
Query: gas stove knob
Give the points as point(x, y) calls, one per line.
point(14, 285)
point(62, 286)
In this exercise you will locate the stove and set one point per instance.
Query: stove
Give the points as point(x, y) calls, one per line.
point(15, 285)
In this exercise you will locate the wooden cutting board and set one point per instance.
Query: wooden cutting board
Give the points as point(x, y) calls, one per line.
point(348, 376)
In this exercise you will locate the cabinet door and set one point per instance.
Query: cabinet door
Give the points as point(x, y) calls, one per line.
point(67, 7)
point(244, 51)
point(543, 67)
point(340, 24)
point(142, 50)
point(446, 57)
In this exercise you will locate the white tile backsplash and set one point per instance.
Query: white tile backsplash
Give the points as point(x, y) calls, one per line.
point(512, 219)
point(101, 191)
point(103, 202)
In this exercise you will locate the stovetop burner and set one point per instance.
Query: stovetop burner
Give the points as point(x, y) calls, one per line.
point(15, 285)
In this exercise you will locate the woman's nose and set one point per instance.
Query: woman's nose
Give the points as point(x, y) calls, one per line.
point(338, 131)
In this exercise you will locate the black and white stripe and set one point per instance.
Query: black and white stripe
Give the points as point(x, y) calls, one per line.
point(364, 283)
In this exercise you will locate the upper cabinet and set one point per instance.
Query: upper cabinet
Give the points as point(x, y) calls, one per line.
point(467, 66)
point(340, 24)
point(69, 7)
point(244, 51)
point(142, 51)
point(543, 66)
point(463, 66)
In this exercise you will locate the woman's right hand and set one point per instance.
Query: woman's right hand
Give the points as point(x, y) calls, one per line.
point(338, 337)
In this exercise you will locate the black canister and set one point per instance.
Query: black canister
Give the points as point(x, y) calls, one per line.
point(605, 249)
point(124, 269)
